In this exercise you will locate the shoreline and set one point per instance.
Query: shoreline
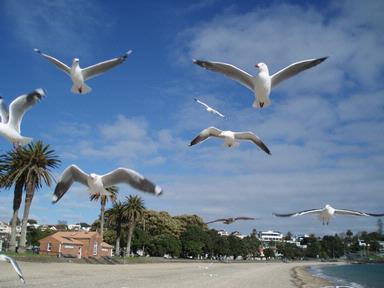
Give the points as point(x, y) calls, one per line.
point(302, 278)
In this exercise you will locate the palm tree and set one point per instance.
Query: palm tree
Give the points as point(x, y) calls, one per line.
point(134, 212)
point(8, 164)
point(113, 190)
point(28, 166)
point(116, 218)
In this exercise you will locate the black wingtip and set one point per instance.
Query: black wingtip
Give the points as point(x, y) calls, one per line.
point(125, 56)
point(322, 59)
point(199, 62)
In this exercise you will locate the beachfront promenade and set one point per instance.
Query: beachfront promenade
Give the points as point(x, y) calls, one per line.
point(159, 275)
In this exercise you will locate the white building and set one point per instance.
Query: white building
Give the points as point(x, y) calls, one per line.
point(238, 235)
point(270, 235)
point(223, 233)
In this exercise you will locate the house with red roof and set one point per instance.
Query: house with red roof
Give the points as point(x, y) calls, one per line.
point(77, 244)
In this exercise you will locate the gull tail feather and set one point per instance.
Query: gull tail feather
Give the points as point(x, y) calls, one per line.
point(258, 104)
point(84, 89)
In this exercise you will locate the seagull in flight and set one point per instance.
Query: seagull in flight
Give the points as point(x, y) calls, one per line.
point(11, 119)
point(325, 214)
point(262, 83)
point(208, 108)
point(15, 266)
point(230, 220)
point(97, 184)
point(230, 138)
point(80, 75)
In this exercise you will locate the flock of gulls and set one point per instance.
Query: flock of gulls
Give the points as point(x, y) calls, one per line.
point(261, 85)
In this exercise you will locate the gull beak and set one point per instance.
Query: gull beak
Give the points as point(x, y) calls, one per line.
point(257, 66)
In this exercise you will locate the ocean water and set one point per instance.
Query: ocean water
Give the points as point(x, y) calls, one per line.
point(353, 275)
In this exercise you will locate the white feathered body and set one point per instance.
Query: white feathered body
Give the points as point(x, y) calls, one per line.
point(95, 185)
point(262, 88)
point(327, 214)
point(229, 139)
point(77, 77)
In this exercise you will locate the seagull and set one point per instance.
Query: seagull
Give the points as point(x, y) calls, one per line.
point(208, 108)
point(97, 184)
point(230, 220)
point(262, 83)
point(8, 259)
point(11, 120)
point(230, 138)
point(325, 214)
point(79, 75)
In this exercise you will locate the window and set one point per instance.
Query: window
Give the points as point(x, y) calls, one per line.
point(49, 246)
point(95, 248)
point(68, 246)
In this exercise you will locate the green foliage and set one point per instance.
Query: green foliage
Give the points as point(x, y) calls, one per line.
point(165, 244)
point(193, 241)
point(237, 246)
point(332, 246)
point(34, 235)
point(269, 253)
point(252, 245)
point(290, 251)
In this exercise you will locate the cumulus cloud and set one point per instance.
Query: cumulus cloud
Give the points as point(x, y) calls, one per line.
point(323, 126)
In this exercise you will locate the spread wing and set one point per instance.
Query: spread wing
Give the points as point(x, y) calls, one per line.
point(20, 105)
point(4, 113)
point(252, 137)
point(228, 70)
point(218, 113)
point(310, 211)
point(217, 220)
point(60, 65)
point(203, 135)
point(130, 177)
point(294, 69)
point(14, 265)
point(244, 218)
point(71, 174)
point(202, 103)
point(97, 69)
point(350, 212)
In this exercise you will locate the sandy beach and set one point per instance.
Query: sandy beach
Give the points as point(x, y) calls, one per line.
point(160, 275)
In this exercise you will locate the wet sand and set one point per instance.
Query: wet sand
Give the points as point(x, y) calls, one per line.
point(161, 275)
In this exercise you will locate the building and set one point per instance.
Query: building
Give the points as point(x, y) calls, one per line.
point(238, 235)
point(75, 244)
point(269, 236)
point(223, 233)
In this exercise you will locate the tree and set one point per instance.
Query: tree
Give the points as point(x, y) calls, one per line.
point(116, 216)
point(252, 245)
point(113, 190)
point(269, 253)
point(28, 167)
point(236, 246)
point(193, 241)
point(133, 213)
point(165, 244)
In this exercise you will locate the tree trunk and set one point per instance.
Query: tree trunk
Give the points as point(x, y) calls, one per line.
point(117, 246)
point(18, 195)
point(27, 207)
point(129, 239)
point(102, 211)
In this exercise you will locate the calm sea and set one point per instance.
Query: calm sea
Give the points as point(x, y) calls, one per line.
point(354, 275)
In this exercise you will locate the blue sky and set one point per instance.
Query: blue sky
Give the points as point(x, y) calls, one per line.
point(324, 127)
